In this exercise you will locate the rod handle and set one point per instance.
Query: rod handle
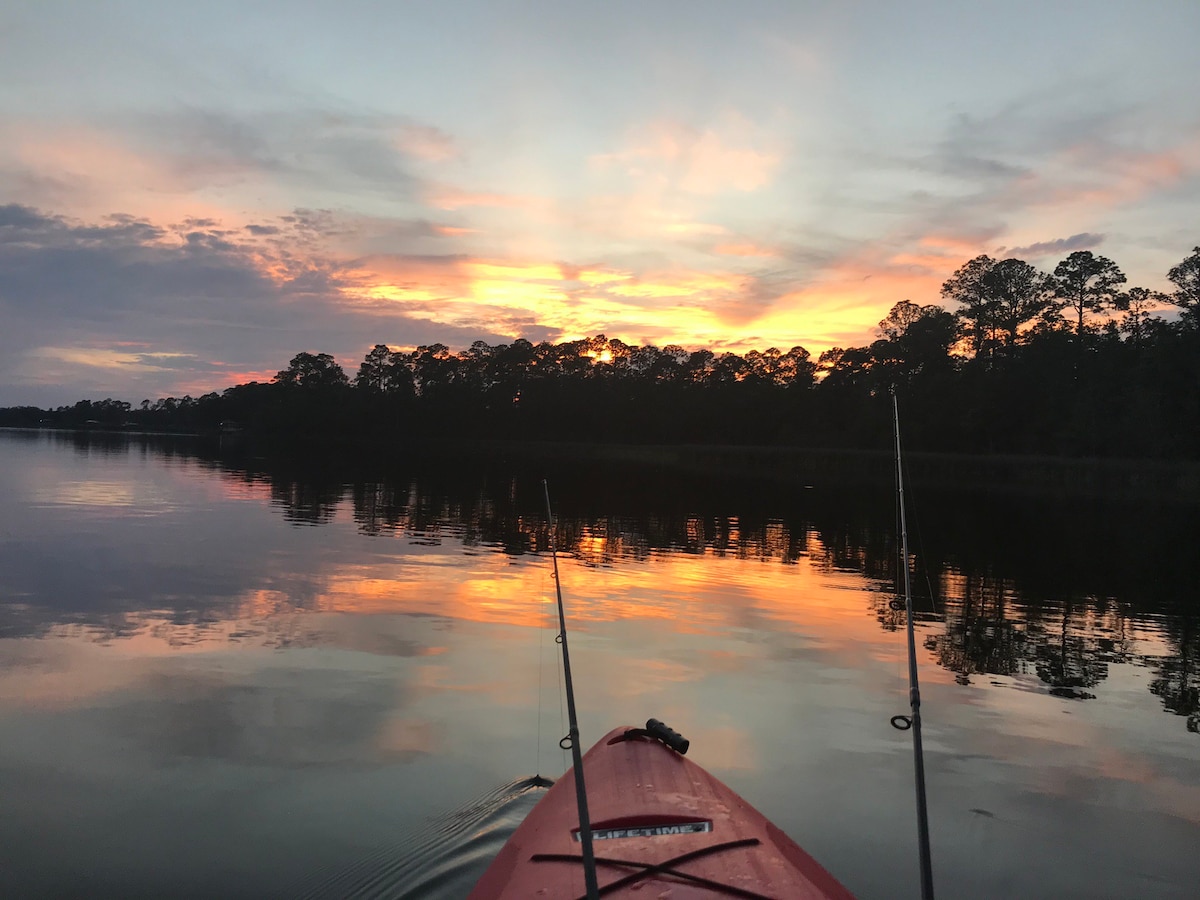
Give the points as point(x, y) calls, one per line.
point(668, 736)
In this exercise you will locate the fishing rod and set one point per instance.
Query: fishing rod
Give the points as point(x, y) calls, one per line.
point(904, 723)
point(572, 738)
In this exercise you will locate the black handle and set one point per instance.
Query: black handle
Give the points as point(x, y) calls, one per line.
point(672, 739)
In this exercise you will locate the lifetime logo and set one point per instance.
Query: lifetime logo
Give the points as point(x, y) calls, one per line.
point(609, 834)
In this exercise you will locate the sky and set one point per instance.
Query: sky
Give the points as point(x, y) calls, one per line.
point(191, 194)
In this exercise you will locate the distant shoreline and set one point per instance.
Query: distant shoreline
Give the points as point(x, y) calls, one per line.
point(130, 432)
point(1172, 480)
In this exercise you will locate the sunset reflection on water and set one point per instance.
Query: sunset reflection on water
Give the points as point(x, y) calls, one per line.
point(174, 648)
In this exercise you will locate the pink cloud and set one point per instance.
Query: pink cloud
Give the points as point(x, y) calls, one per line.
point(97, 172)
point(426, 143)
point(1098, 174)
point(453, 231)
point(705, 161)
point(745, 248)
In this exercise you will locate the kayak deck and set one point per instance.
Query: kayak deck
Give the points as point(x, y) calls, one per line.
point(662, 827)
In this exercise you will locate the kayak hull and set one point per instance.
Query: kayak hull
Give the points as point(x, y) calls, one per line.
point(662, 827)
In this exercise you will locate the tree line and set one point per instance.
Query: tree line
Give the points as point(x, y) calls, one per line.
point(1071, 362)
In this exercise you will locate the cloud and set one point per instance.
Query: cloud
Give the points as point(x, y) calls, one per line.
point(729, 157)
point(744, 248)
point(126, 307)
point(1042, 161)
point(660, 251)
point(312, 148)
point(163, 163)
point(109, 358)
point(1101, 174)
point(427, 143)
point(453, 230)
point(1058, 247)
point(451, 198)
point(13, 215)
point(964, 243)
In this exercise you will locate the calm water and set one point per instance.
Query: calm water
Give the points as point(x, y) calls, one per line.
point(228, 675)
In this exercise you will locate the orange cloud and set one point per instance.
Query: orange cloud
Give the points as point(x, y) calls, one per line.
point(107, 359)
point(515, 271)
point(453, 231)
point(683, 285)
point(845, 304)
point(504, 295)
point(593, 277)
point(688, 306)
point(693, 228)
point(956, 245)
point(218, 381)
point(939, 263)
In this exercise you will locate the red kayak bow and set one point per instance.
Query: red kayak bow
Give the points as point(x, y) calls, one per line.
point(662, 827)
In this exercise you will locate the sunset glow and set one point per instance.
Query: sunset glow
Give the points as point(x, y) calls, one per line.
point(780, 176)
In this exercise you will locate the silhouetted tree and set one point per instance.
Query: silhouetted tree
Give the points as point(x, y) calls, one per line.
point(383, 371)
point(797, 368)
point(968, 288)
point(1017, 295)
point(1086, 283)
point(917, 340)
point(1137, 303)
point(1142, 396)
point(1186, 278)
point(699, 365)
point(432, 368)
point(899, 318)
point(309, 370)
point(848, 368)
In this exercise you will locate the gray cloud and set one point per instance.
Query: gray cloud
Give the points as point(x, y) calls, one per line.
point(14, 215)
point(313, 156)
point(220, 301)
point(974, 149)
point(1082, 241)
point(53, 269)
point(324, 152)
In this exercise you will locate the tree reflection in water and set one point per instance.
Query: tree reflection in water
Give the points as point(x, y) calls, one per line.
point(1015, 588)
point(999, 616)
point(1178, 676)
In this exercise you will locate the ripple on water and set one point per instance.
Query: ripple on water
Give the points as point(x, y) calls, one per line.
point(442, 858)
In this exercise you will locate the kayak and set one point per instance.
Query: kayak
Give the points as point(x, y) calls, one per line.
point(662, 827)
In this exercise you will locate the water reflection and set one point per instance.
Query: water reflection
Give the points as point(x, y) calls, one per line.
point(991, 611)
point(1177, 681)
point(203, 646)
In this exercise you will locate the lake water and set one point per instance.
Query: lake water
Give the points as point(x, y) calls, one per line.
point(229, 675)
